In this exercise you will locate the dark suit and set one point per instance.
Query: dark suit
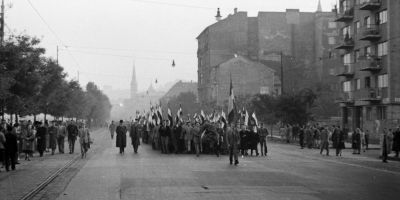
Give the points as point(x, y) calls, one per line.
point(11, 148)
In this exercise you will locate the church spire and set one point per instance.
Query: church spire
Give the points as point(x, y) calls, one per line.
point(319, 9)
point(134, 86)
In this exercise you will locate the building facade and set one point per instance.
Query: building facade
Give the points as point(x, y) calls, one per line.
point(306, 41)
point(370, 71)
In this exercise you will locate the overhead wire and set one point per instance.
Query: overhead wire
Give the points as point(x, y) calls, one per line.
point(60, 41)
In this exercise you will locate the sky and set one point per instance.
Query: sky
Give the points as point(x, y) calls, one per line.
point(102, 39)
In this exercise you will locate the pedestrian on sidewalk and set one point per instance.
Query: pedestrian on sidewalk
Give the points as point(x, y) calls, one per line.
point(41, 138)
point(363, 143)
point(396, 141)
point(301, 137)
point(338, 140)
point(112, 129)
point(62, 132)
point(28, 139)
point(366, 139)
point(389, 141)
point(72, 130)
point(11, 148)
point(53, 134)
point(2, 146)
point(324, 140)
point(384, 146)
point(84, 139)
point(121, 137)
point(135, 136)
point(356, 141)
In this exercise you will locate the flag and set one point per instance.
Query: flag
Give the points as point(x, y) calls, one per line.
point(246, 118)
point(179, 113)
point(255, 118)
point(231, 104)
point(223, 117)
point(202, 116)
point(170, 117)
point(159, 114)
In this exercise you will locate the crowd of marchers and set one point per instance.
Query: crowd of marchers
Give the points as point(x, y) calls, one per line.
point(22, 140)
point(322, 136)
point(194, 137)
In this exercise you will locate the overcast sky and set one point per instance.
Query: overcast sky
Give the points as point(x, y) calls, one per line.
point(103, 38)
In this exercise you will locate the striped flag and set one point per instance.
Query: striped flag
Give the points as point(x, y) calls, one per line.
point(231, 104)
point(170, 117)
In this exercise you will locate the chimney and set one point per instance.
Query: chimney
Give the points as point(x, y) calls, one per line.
point(235, 10)
point(218, 16)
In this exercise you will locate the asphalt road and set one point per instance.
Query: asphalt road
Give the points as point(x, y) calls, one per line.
point(287, 173)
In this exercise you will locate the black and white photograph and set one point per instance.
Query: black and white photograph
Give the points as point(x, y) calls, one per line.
point(199, 99)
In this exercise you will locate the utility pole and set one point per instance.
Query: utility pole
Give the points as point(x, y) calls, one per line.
point(2, 24)
point(282, 88)
point(1, 46)
point(57, 54)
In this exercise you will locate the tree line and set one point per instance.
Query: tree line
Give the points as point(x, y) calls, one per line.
point(32, 84)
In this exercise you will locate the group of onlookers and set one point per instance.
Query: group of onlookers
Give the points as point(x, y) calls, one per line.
point(27, 137)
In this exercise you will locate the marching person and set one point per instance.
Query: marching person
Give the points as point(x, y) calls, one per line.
point(84, 139)
point(112, 129)
point(196, 137)
point(2, 146)
point(72, 130)
point(324, 140)
point(135, 136)
point(41, 138)
point(53, 134)
point(11, 148)
point(384, 146)
point(28, 139)
point(233, 140)
point(121, 137)
point(263, 133)
point(62, 132)
point(188, 136)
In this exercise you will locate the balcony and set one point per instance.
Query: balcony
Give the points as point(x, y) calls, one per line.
point(370, 5)
point(371, 64)
point(345, 16)
point(346, 98)
point(370, 33)
point(347, 70)
point(348, 43)
point(373, 95)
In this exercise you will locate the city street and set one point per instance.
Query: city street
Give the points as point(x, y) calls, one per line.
point(288, 173)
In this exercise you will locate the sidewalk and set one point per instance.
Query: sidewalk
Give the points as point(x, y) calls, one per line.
point(29, 174)
point(374, 150)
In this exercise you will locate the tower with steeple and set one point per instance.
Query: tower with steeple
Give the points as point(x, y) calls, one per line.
point(134, 86)
point(319, 8)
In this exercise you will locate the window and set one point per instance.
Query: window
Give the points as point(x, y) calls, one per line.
point(356, 55)
point(346, 31)
point(347, 58)
point(347, 86)
point(367, 82)
point(332, 72)
point(369, 114)
point(358, 84)
point(382, 49)
point(381, 112)
point(383, 81)
point(332, 25)
point(357, 27)
point(331, 40)
point(367, 22)
point(382, 17)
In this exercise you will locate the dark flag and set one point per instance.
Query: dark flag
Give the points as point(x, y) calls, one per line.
point(231, 104)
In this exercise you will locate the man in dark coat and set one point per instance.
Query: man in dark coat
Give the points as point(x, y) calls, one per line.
point(396, 141)
point(72, 130)
point(11, 148)
point(233, 142)
point(121, 137)
point(41, 138)
point(135, 136)
point(301, 137)
point(263, 133)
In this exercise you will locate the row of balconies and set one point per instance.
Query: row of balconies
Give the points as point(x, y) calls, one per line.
point(345, 15)
point(371, 95)
point(371, 64)
point(370, 33)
